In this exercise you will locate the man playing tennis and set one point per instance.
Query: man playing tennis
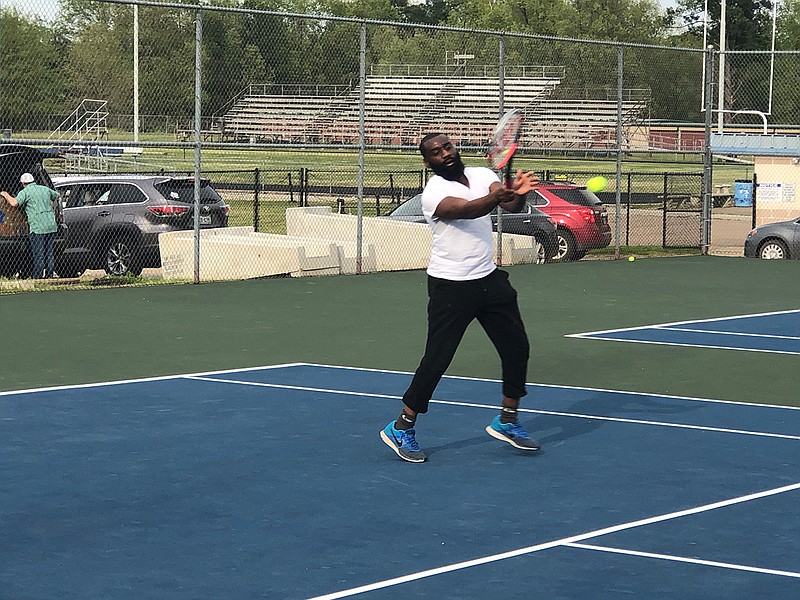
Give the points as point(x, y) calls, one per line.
point(464, 284)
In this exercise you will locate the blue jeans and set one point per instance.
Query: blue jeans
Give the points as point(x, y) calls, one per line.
point(42, 249)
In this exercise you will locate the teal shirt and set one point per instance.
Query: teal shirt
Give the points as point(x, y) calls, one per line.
point(37, 200)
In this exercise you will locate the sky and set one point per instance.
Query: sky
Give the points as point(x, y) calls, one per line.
point(43, 8)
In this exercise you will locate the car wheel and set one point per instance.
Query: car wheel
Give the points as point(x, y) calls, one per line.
point(566, 246)
point(773, 249)
point(120, 258)
point(539, 254)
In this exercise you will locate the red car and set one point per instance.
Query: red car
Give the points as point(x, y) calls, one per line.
point(580, 216)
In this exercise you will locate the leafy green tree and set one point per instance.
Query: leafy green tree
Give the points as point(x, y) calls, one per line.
point(525, 16)
point(748, 26)
point(430, 12)
point(31, 87)
point(99, 61)
point(787, 75)
point(789, 25)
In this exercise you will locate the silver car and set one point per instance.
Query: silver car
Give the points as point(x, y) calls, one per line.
point(114, 220)
point(774, 240)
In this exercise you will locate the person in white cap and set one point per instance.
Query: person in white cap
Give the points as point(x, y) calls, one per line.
point(37, 201)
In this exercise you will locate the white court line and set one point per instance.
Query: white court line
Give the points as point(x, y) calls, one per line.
point(571, 387)
point(348, 368)
point(552, 544)
point(494, 407)
point(657, 343)
point(685, 559)
point(675, 326)
point(733, 333)
point(75, 386)
point(710, 320)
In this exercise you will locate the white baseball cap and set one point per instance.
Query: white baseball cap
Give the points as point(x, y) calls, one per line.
point(26, 178)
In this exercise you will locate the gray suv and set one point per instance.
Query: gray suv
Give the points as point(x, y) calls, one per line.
point(113, 221)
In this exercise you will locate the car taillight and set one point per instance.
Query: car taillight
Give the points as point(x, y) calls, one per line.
point(168, 210)
point(226, 209)
point(588, 215)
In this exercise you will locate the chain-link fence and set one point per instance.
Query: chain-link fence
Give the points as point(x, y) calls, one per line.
point(233, 143)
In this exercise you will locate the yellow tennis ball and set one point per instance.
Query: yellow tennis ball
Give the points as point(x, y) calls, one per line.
point(595, 184)
point(631, 258)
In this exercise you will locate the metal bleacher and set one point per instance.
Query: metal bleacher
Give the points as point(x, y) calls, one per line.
point(399, 109)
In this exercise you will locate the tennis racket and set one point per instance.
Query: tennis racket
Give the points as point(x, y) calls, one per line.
point(504, 141)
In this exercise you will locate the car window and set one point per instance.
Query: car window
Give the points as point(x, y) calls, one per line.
point(182, 190)
point(67, 198)
point(536, 199)
point(579, 196)
point(125, 193)
point(75, 196)
point(409, 208)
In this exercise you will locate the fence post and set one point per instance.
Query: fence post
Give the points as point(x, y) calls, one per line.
point(618, 209)
point(362, 91)
point(628, 214)
point(754, 195)
point(198, 77)
point(708, 158)
point(664, 215)
point(501, 75)
point(256, 199)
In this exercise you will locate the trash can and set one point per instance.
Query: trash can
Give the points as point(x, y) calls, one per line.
point(743, 193)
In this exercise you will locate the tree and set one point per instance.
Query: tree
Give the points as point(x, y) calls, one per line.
point(748, 27)
point(789, 25)
point(30, 82)
point(748, 22)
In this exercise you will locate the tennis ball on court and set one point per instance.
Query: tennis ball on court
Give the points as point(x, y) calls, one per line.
point(631, 258)
point(595, 184)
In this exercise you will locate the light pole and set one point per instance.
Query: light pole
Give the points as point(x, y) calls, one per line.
point(135, 72)
point(721, 82)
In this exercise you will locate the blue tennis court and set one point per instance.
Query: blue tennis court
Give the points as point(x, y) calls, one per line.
point(777, 332)
point(273, 483)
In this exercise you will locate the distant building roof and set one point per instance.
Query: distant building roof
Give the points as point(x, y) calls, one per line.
point(757, 144)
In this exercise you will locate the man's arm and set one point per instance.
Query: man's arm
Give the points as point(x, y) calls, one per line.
point(453, 207)
point(9, 198)
point(511, 199)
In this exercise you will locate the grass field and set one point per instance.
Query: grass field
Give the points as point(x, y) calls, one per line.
point(182, 159)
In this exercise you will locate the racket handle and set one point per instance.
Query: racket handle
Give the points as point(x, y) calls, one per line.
point(508, 174)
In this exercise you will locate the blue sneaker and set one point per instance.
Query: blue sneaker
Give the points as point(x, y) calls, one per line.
point(513, 433)
point(403, 443)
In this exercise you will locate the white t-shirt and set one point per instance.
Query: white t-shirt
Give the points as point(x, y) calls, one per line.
point(463, 249)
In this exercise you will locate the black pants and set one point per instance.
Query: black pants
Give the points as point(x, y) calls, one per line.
point(452, 306)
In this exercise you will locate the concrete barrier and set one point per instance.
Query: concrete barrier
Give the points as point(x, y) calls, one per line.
point(240, 253)
point(398, 245)
point(319, 242)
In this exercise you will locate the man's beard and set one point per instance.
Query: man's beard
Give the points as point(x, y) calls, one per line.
point(451, 172)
